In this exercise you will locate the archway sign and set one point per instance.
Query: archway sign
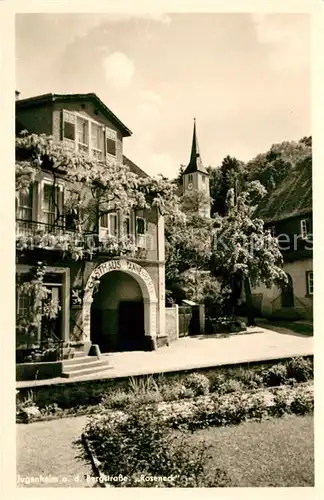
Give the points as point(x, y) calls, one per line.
point(143, 279)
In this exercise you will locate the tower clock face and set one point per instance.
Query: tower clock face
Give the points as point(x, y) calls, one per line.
point(190, 185)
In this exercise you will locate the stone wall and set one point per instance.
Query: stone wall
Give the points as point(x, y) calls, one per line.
point(172, 323)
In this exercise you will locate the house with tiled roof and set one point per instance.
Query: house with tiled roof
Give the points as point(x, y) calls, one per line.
point(115, 303)
point(287, 214)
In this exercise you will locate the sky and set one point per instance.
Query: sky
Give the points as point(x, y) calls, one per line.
point(244, 77)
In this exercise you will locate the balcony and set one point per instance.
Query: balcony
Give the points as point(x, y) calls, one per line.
point(32, 234)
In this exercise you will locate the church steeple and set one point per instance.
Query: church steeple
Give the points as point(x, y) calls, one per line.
point(196, 177)
point(195, 163)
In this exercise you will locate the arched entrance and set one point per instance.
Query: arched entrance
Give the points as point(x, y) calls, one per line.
point(287, 293)
point(119, 307)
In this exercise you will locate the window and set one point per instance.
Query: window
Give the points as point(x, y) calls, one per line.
point(309, 282)
point(204, 179)
point(82, 134)
point(305, 229)
point(97, 141)
point(23, 303)
point(50, 203)
point(126, 226)
point(113, 225)
point(140, 225)
point(189, 178)
point(88, 136)
point(111, 138)
point(104, 221)
point(25, 205)
point(69, 126)
point(140, 232)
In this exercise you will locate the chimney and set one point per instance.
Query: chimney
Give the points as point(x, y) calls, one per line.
point(17, 95)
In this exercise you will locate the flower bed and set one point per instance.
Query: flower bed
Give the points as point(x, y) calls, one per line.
point(119, 394)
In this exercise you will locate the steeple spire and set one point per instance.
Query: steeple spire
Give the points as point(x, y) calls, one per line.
point(195, 164)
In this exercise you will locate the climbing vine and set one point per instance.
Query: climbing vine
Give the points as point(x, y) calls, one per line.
point(39, 303)
point(93, 188)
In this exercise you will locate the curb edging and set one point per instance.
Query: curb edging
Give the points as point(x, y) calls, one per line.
point(96, 464)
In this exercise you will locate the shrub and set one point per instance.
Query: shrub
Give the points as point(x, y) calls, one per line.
point(198, 382)
point(302, 402)
point(281, 405)
point(116, 399)
point(275, 375)
point(300, 369)
point(232, 385)
point(139, 447)
point(172, 392)
point(52, 409)
point(217, 382)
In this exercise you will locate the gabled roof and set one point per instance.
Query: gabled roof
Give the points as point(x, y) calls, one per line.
point(62, 98)
point(134, 168)
point(292, 198)
point(195, 164)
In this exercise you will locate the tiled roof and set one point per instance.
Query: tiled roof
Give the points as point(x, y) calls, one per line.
point(90, 97)
point(195, 164)
point(134, 168)
point(293, 197)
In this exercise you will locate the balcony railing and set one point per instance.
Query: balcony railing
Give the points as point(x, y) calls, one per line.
point(32, 234)
point(27, 228)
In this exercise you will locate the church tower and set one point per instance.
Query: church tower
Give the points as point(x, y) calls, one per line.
point(195, 176)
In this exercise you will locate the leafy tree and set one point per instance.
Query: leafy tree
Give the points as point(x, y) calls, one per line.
point(188, 244)
point(178, 179)
point(271, 168)
point(244, 253)
point(195, 202)
point(230, 175)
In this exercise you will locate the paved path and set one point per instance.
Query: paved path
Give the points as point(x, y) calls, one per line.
point(203, 351)
point(200, 351)
point(45, 451)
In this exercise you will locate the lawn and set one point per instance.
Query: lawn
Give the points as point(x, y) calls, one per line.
point(286, 326)
point(278, 452)
point(46, 449)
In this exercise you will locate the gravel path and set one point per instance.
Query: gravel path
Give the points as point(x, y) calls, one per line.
point(45, 452)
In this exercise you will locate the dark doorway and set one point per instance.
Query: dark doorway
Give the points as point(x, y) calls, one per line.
point(117, 314)
point(287, 295)
point(131, 326)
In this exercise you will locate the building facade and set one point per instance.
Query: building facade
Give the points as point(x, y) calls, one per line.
point(116, 302)
point(287, 214)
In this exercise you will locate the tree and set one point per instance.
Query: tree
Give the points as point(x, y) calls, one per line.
point(244, 253)
point(230, 175)
point(195, 202)
point(271, 168)
point(188, 244)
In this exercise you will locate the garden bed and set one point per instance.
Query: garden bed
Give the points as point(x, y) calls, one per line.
point(129, 444)
point(85, 398)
